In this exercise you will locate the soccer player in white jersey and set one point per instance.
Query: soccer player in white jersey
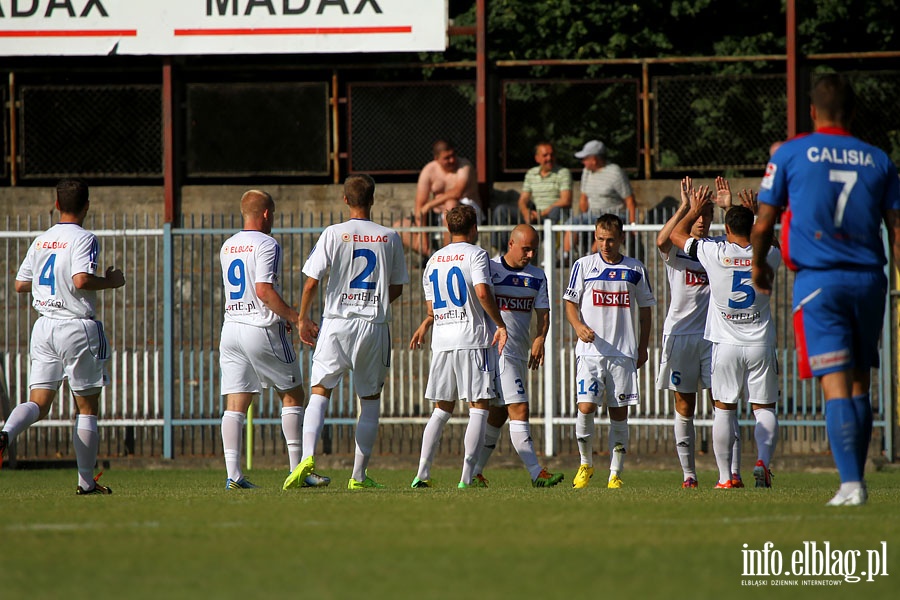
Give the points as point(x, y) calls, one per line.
point(67, 341)
point(740, 327)
point(255, 350)
point(608, 304)
point(520, 289)
point(367, 272)
point(686, 363)
point(459, 299)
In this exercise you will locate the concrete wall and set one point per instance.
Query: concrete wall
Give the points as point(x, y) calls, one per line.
point(397, 198)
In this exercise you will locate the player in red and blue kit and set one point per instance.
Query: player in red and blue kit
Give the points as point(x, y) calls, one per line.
point(835, 191)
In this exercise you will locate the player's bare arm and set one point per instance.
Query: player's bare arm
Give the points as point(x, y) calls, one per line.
point(394, 291)
point(724, 197)
point(645, 319)
point(308, 329)
point(536, 359)
point(749, 200)
point(419, 334)
point(662, 238)
point(489, 304)
point(269, 296)
point(88, 281)
point(892, 223)
point(573, 316)
point(23, 287)
point(761, 238)
point(700, 197)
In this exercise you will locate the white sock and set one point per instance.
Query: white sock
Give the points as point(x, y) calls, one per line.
point(292, 428)
point(232, 436)
point(366, 432)
point(520, 434)
point(618, 445)
point(474, 441)
point(584, 431)
point(313, 422)
point(736, 446)
point(21, 418)
point(766, 433)
point(685, 438)
point(431, 437)
point(723, 441)
point(86, 442)
point(491, 436)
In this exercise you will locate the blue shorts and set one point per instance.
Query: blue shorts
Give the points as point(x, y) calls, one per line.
point(838, 317)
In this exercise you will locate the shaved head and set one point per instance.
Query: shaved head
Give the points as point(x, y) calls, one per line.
point(255, 202)
point(524, 235)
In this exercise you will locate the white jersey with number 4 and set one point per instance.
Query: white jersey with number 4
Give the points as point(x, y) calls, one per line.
point(738, 314)
point(58, 254)
point(518, 293)
point(363, 259)
point(609, 296)
point(249, 257)
point(449, 282)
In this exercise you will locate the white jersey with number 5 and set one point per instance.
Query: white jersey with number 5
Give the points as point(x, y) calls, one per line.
point(449, 281)
point(58, 254)
point(738, 314)
point(363, 259)
point(248, 258)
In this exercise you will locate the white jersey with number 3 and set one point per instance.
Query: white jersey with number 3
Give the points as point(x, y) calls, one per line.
point(518, 293)
point(363, 259)
point(58, 254)
point(738, 314)
point(449, 282)
point(249, 257)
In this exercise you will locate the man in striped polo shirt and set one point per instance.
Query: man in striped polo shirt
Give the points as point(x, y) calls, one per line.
point(604, 189)
point(547, 191)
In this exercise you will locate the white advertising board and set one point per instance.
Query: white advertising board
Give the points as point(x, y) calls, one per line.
point(176, 27)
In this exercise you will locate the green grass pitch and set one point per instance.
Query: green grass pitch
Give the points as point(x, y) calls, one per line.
point(177, 534)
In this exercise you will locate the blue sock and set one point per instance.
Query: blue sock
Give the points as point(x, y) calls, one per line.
point(862, 406)
point(843, 433)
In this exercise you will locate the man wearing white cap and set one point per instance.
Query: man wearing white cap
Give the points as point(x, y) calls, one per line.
point(604, 189)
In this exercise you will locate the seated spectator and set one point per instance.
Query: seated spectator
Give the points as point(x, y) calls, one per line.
point(547, 191)
point(444, 183)
point(604, 189)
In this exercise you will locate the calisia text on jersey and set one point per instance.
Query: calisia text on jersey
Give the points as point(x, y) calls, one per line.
point(840, 156)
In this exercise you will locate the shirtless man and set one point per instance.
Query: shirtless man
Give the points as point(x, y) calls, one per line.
point(444, 183)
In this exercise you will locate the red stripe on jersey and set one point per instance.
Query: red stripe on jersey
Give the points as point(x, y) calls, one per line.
point(800, 342)
point(785, 238)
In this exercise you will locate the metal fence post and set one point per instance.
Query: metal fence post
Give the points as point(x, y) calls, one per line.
point(550, 344)
point(168, 341)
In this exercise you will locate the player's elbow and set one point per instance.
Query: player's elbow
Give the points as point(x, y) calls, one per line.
point(23, 287)
point(81, 280)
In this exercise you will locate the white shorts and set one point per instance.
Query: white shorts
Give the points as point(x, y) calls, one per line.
point(741, 372)
point(466, 375)
point(75, 349)
point(606, 379)
point(511, 381)
point(686, 364)
point(352, 344)
point(252, 358)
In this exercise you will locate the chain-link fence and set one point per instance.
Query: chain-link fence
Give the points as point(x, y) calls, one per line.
point(877, 118)
point(567, 114)
point(91, 131)
point(716, 122)
point(252, 129)
point(391, 127)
